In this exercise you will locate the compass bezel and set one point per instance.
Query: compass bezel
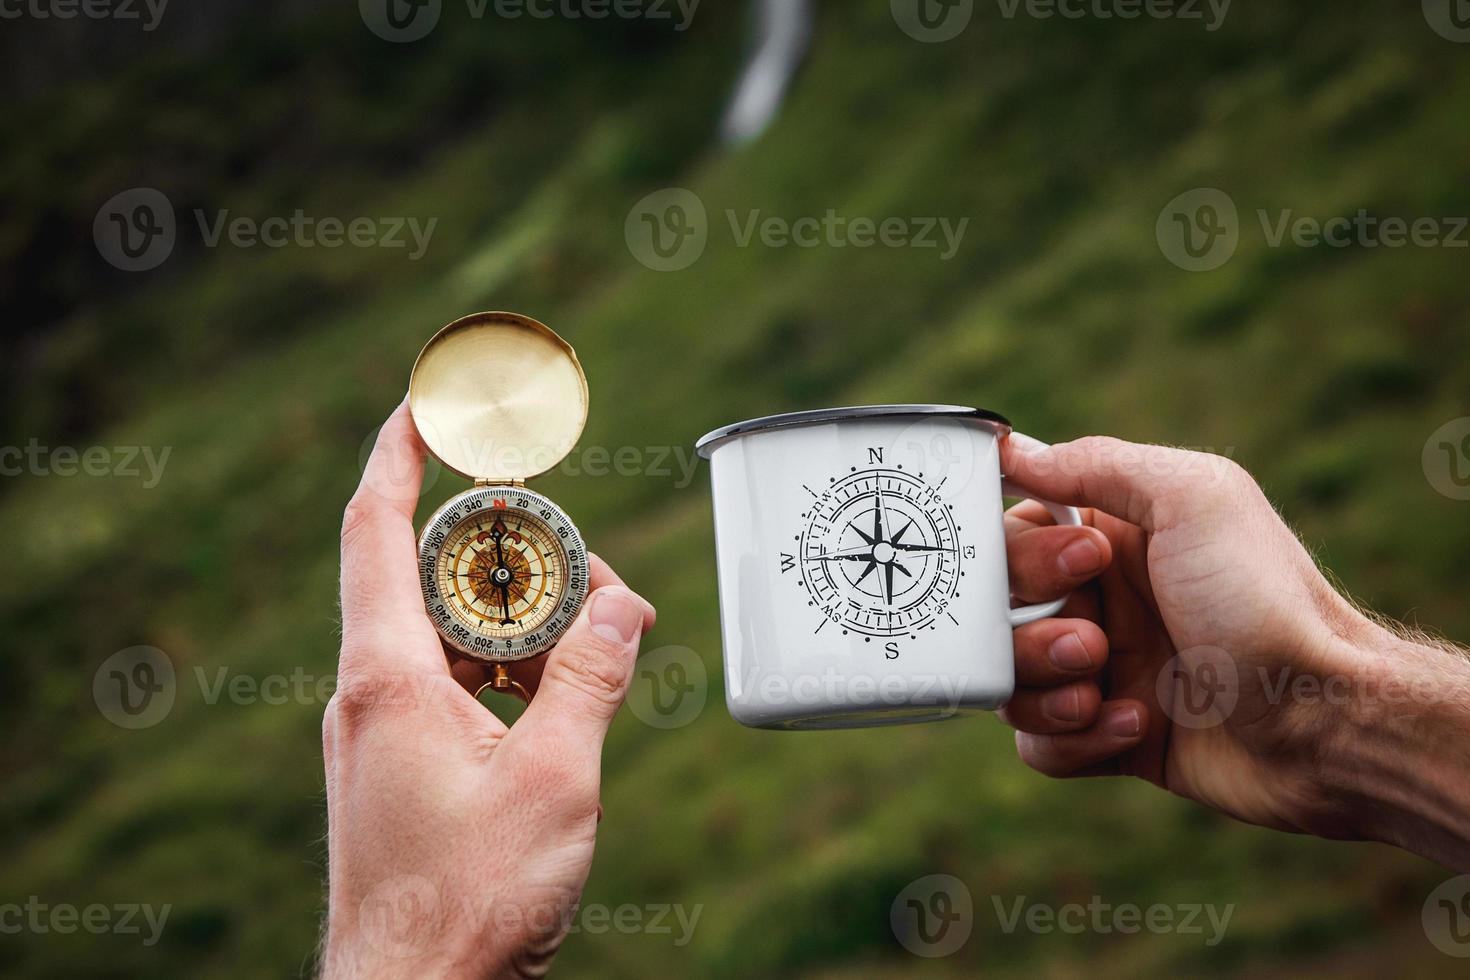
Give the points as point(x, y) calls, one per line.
point(461, 635)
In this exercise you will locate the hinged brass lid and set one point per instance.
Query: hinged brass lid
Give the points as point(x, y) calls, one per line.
point(498, 397)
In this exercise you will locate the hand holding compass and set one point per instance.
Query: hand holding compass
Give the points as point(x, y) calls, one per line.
point(438, 810)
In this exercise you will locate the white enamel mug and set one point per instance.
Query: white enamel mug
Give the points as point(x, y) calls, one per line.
point(862, 565)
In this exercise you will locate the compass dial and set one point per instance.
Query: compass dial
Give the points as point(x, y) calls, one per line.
point(503, 572)
point(879, 554)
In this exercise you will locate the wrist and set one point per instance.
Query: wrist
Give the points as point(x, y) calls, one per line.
point(1395, 761)
point(401, 938)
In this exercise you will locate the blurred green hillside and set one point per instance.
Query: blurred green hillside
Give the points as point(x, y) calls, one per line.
point(1322, 370)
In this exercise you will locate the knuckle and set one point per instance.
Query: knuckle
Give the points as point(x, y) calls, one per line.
point(361, 700)
point(596, 667)
point(359, 515)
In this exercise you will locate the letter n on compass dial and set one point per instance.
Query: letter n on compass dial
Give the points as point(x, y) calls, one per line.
point(878, 554)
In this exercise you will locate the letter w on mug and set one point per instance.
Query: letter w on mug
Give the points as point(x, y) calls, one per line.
point(862, 565)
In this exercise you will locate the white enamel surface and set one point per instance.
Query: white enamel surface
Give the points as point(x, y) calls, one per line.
point(787, 668)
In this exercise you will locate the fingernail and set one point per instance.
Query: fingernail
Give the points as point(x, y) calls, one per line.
point(1023, 443)
point(1081, 557)
point(615, 615)
point(1070, 653)
point(1122, 722)
point(1063, 705)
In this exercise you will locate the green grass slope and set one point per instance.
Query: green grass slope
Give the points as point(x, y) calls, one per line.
point(1322, 370)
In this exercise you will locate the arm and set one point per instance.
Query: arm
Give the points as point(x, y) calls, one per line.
point(1401, 750)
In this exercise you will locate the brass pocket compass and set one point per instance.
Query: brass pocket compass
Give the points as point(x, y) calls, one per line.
point(499, 398)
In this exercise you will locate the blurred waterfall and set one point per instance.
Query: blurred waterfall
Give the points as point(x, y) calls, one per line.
point(782, 30)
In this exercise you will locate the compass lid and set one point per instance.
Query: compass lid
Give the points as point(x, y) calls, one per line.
point(498, 397)
point(711, 441)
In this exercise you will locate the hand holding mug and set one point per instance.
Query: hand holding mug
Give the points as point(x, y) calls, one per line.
point(1211, 657)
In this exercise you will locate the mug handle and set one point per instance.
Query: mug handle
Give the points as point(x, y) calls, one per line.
point(1022, 615)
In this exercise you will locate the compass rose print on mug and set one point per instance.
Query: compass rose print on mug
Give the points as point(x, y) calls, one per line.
point(862, 565)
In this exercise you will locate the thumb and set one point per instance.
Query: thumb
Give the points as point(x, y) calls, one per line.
point(587, 674)
point(1151, 486)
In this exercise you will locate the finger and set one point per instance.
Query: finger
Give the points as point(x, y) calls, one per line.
point(1047, 711)
point(1028, 514)
point(1119, 728)
point(381, 600)
point(586, 677)
point(600, 573)
point(1085, 603)
point(1056, 651)
point(1151, 486)
point(1048, 562)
